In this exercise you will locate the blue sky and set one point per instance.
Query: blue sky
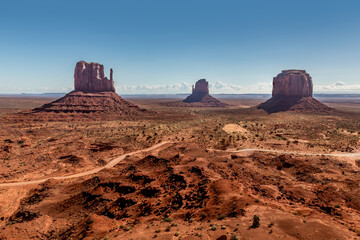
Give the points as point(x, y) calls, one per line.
point(164, 46)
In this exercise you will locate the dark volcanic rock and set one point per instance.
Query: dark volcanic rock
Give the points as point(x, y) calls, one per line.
point(292, 91)
point(200, 97)
point(90, 77)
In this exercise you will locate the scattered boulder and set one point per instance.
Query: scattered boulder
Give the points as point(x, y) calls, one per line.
point(292, 91)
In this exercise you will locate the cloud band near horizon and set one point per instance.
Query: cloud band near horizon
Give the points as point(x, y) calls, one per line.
point(218, 87)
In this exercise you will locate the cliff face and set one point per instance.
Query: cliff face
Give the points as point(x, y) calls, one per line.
point(201, 87)
point(292, 91)
point(90, 77)
point(199, 92)
point(293, 83)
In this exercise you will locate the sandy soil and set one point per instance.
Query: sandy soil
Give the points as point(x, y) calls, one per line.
point(297, 173)
point(234, 128)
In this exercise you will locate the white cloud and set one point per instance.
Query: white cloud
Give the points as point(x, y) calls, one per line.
point(217, 87)
point(155, 89)
point(339, 87)
point(229, 88)
point(221, 87)
point(185, 87)
point(339, 83)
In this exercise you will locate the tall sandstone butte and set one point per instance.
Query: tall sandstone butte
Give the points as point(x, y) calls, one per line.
point(292, 91)
point(294, 83)
point(90, 77)
point(200, 90)
point(200, 96)
point(94, 93)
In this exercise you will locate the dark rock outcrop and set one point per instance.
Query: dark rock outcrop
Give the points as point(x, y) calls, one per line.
point(292, 91)
point(90, 77)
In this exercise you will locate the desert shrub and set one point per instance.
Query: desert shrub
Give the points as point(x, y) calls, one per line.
point(203, 215)
point(256, 222)
point(234, 237)
point(168, 219)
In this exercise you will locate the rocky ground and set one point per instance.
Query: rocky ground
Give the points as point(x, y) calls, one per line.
point(190, 189)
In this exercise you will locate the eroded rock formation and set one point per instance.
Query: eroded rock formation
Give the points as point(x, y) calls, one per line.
point(294, 83)
point(292, 91)
point(200, 96)
point(94, 93)
point(90, 77)
point(200, 90)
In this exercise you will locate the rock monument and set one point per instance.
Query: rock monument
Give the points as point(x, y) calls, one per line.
point(94, 93)
point(200, 90)
point(90, 77)
point(292, 90)
point(200, 96)
point(292, 83)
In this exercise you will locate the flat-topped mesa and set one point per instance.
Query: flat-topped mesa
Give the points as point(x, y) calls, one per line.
point(90, 77)
point(292, 91)
point(292, 83)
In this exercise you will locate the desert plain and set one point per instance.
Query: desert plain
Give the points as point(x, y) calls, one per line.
point(206, 176)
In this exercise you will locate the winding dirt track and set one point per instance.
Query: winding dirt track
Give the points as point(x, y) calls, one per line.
point(122, 157)
point(92, 171)
point(295, 153)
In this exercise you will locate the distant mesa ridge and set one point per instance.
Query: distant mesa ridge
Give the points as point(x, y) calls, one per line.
point(94, 93)
point(292, 91)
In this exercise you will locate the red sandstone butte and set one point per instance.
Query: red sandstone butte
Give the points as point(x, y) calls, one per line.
point(200, 96)
point(94, 93)
point(292, 91)
point(293, 83)
point(90, 77)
